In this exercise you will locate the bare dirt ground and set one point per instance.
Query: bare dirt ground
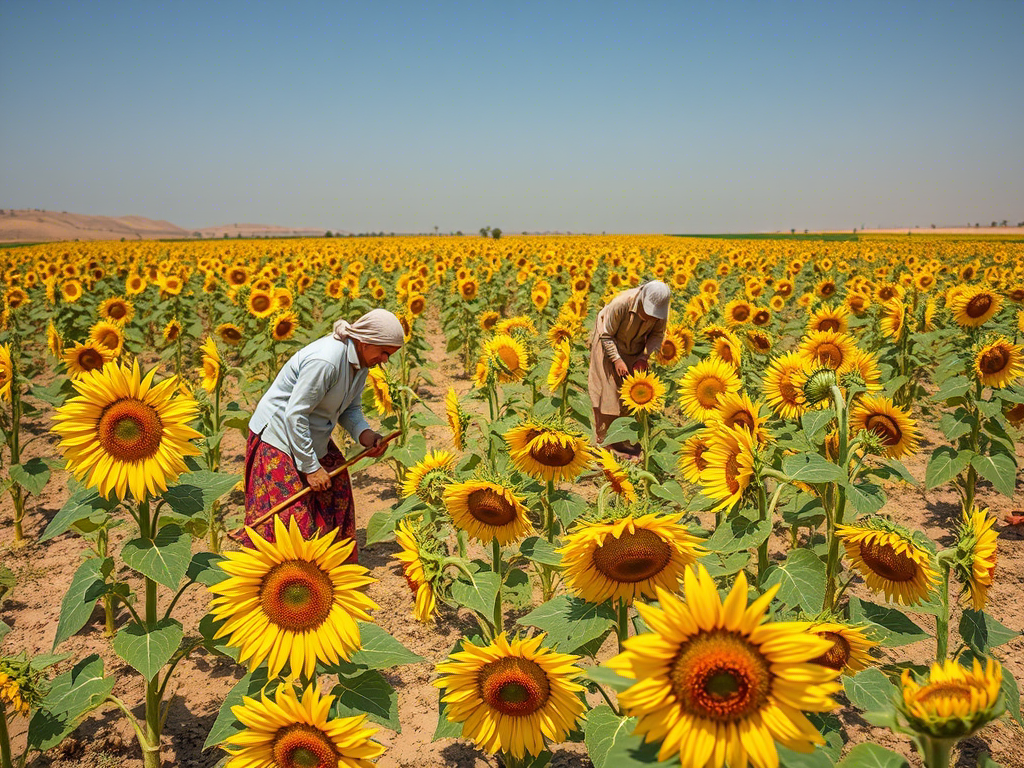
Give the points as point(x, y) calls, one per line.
point(106, 740)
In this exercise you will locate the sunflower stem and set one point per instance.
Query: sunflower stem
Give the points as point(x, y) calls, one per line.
point(5, 740)
point(972, 473)
point(835, 519)
point(549, 511)
point(496, 567)
point(936, 752)
point(942, 620)
point(762, 548)
point(622, 627)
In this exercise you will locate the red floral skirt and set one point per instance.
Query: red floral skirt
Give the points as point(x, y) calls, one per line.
point(271, 477)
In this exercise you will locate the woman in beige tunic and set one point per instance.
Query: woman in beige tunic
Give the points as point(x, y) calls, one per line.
point(628, 329)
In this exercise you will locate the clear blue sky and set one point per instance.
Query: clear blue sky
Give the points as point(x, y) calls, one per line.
point(581, 116)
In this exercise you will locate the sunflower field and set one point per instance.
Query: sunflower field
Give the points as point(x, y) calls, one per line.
point(799, 545)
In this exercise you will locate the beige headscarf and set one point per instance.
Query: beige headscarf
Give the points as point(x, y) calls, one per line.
point(378, 326)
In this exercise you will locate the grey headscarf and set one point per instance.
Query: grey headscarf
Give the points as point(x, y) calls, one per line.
point(654, 298)
point(378, 326)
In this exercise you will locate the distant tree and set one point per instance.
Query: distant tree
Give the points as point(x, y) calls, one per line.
point(993, 223)
point(435, 230)
point(485, 231)
point(496, 233)
point(197, 234)
point(1002, 223)
point(225, 235)
point(792, 231)
point(328, 233)
point(976, 225)
point(933, 226)
point(459, 233)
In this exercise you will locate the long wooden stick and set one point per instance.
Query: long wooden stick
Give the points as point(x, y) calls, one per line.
point(333, 473)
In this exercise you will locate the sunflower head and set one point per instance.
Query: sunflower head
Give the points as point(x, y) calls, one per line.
point(507, 356)
point(283, 326)
point(559, 370)
point(817, 387)
point(642, 392)
point(172, 331)
point(703, 384)
point(548, 451)
point(428, 478)
point(953, 701)
point(230, 334)
point(615, 475)
point(976, 555)
point(851, 645)
point(782, 386)
point(890, 560)
point(83, 358)
point(488, 509)
point(973, 307)
point(382, 388)
point(891, 425)
point(6, 371)
point(211, 365)
point(999, 364)
point(458, 420)
point(117, 310)
point(419, 559)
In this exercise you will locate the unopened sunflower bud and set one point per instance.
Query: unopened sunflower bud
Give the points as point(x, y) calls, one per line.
point(853, 380)
point(818, 387)
point(954, 701)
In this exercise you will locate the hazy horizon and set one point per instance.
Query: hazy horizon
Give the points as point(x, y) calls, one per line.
point(658, 117)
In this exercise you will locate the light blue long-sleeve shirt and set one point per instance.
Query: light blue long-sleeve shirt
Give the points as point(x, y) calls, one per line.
point(321, 384)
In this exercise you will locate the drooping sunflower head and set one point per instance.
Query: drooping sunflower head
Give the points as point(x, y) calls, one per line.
point(703, 384)
point(692, 459)
point(830, 349)
point(289, 732)
point(122, 432)
point(230, 334)
point(976, 555)
point(458, 420)
point(508, 356)
point(548, 451)
point(283, 326)
point(83, 358)
point(562, 331)
point(953, 702)
point(893, 319)
point(54, 343)
point(559, 366)
point(512, 694)
point(6, 371)
point(730, 465)
point(418, 567)
point(716, 668)
point(673, 348)
point(851, 646)
point(615, 475)
point(628, 557)
point(864, 367)
point(892, 425)
point(292, 602)
point(487, 510)
point(999, 364)
point(429, 476)
point(890, 560)
point(211, 364)
point(727, 347)
point(973, 307)
point(382, 389)
point(642, 392)
point(117, 310)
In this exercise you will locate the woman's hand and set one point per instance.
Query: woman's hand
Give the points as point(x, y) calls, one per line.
point(373, 441)
point(640, 364)
point(319, 480)
point(620, 368)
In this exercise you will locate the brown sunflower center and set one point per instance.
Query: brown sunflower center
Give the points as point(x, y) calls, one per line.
point(416, 306)
point(632, 557)
point(836, 656)
point(641, 393)
point(513, 686)
point(828, 324)
point(761, 317)
point(552, 454)
point(297, 595)
point(231, 335)
point(283, 328)
point(789, 392)
point(117, 311)
point(303, 746)
point(740, 314)
point(130, 430)
point(994, 360)
point(829, 354)
point(732, 471)
point(720, 676)
point(886, 292)
point(109, 339)
point(885, 561)
point(490, 507)
point(885, 427)
point(740, 418)
point(978, 305)
point(90, 360)
point(945, 691)
point(708, 391)
point(669, 349)
point(172, 332)
point(261, 303)
point(237, 276)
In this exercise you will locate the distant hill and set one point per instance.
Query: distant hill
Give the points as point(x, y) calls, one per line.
point(32, 226)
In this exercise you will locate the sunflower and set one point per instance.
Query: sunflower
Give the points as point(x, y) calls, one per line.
point(468, 288)
point(889, 560)
point(827, 348)
point(954, 701)
point(282, 327)
point(230, 334)
point(380, 387)
point(891, 424)
point(261, 304)
point(703, 384)
point(865, 365)
point(237, 275)
point(672, 349)
point(416, 304)
point(414, 570)
point(893, 318)
point(511, 695)
point(86, 357)
point(627, 558)
point(489, 319)
point(458, 420)
point(737, 312)
point(716, 684)
point(520, 324)
point(288, 732)
point(727, 347)
point(972, 307)
point(117, 310)
point(858, 302)
point(736, 409)
point(828, 318)
point(428, 477)
point(109, 335)
point(292, 603)
point(71, 291)
point(53, 341)
point(999, 364)
point(547, 452)
point(16, 297)
point(615, 474)
point(559, 367)
point(976, 555)
point(783, 386)
point(122, 432)
point(851, 646)
point(487, 510)
point(211, 364)
point(560, 332)
point(172, 331)
point(6, 372)
point(642, 392)
point(507, 356)
point(692, 459)
point(730, 465)
point(134, 285)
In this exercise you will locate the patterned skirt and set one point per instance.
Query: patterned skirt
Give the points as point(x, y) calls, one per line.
point(271, 477)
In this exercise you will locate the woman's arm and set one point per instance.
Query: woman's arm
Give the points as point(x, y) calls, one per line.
point(314, 379)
